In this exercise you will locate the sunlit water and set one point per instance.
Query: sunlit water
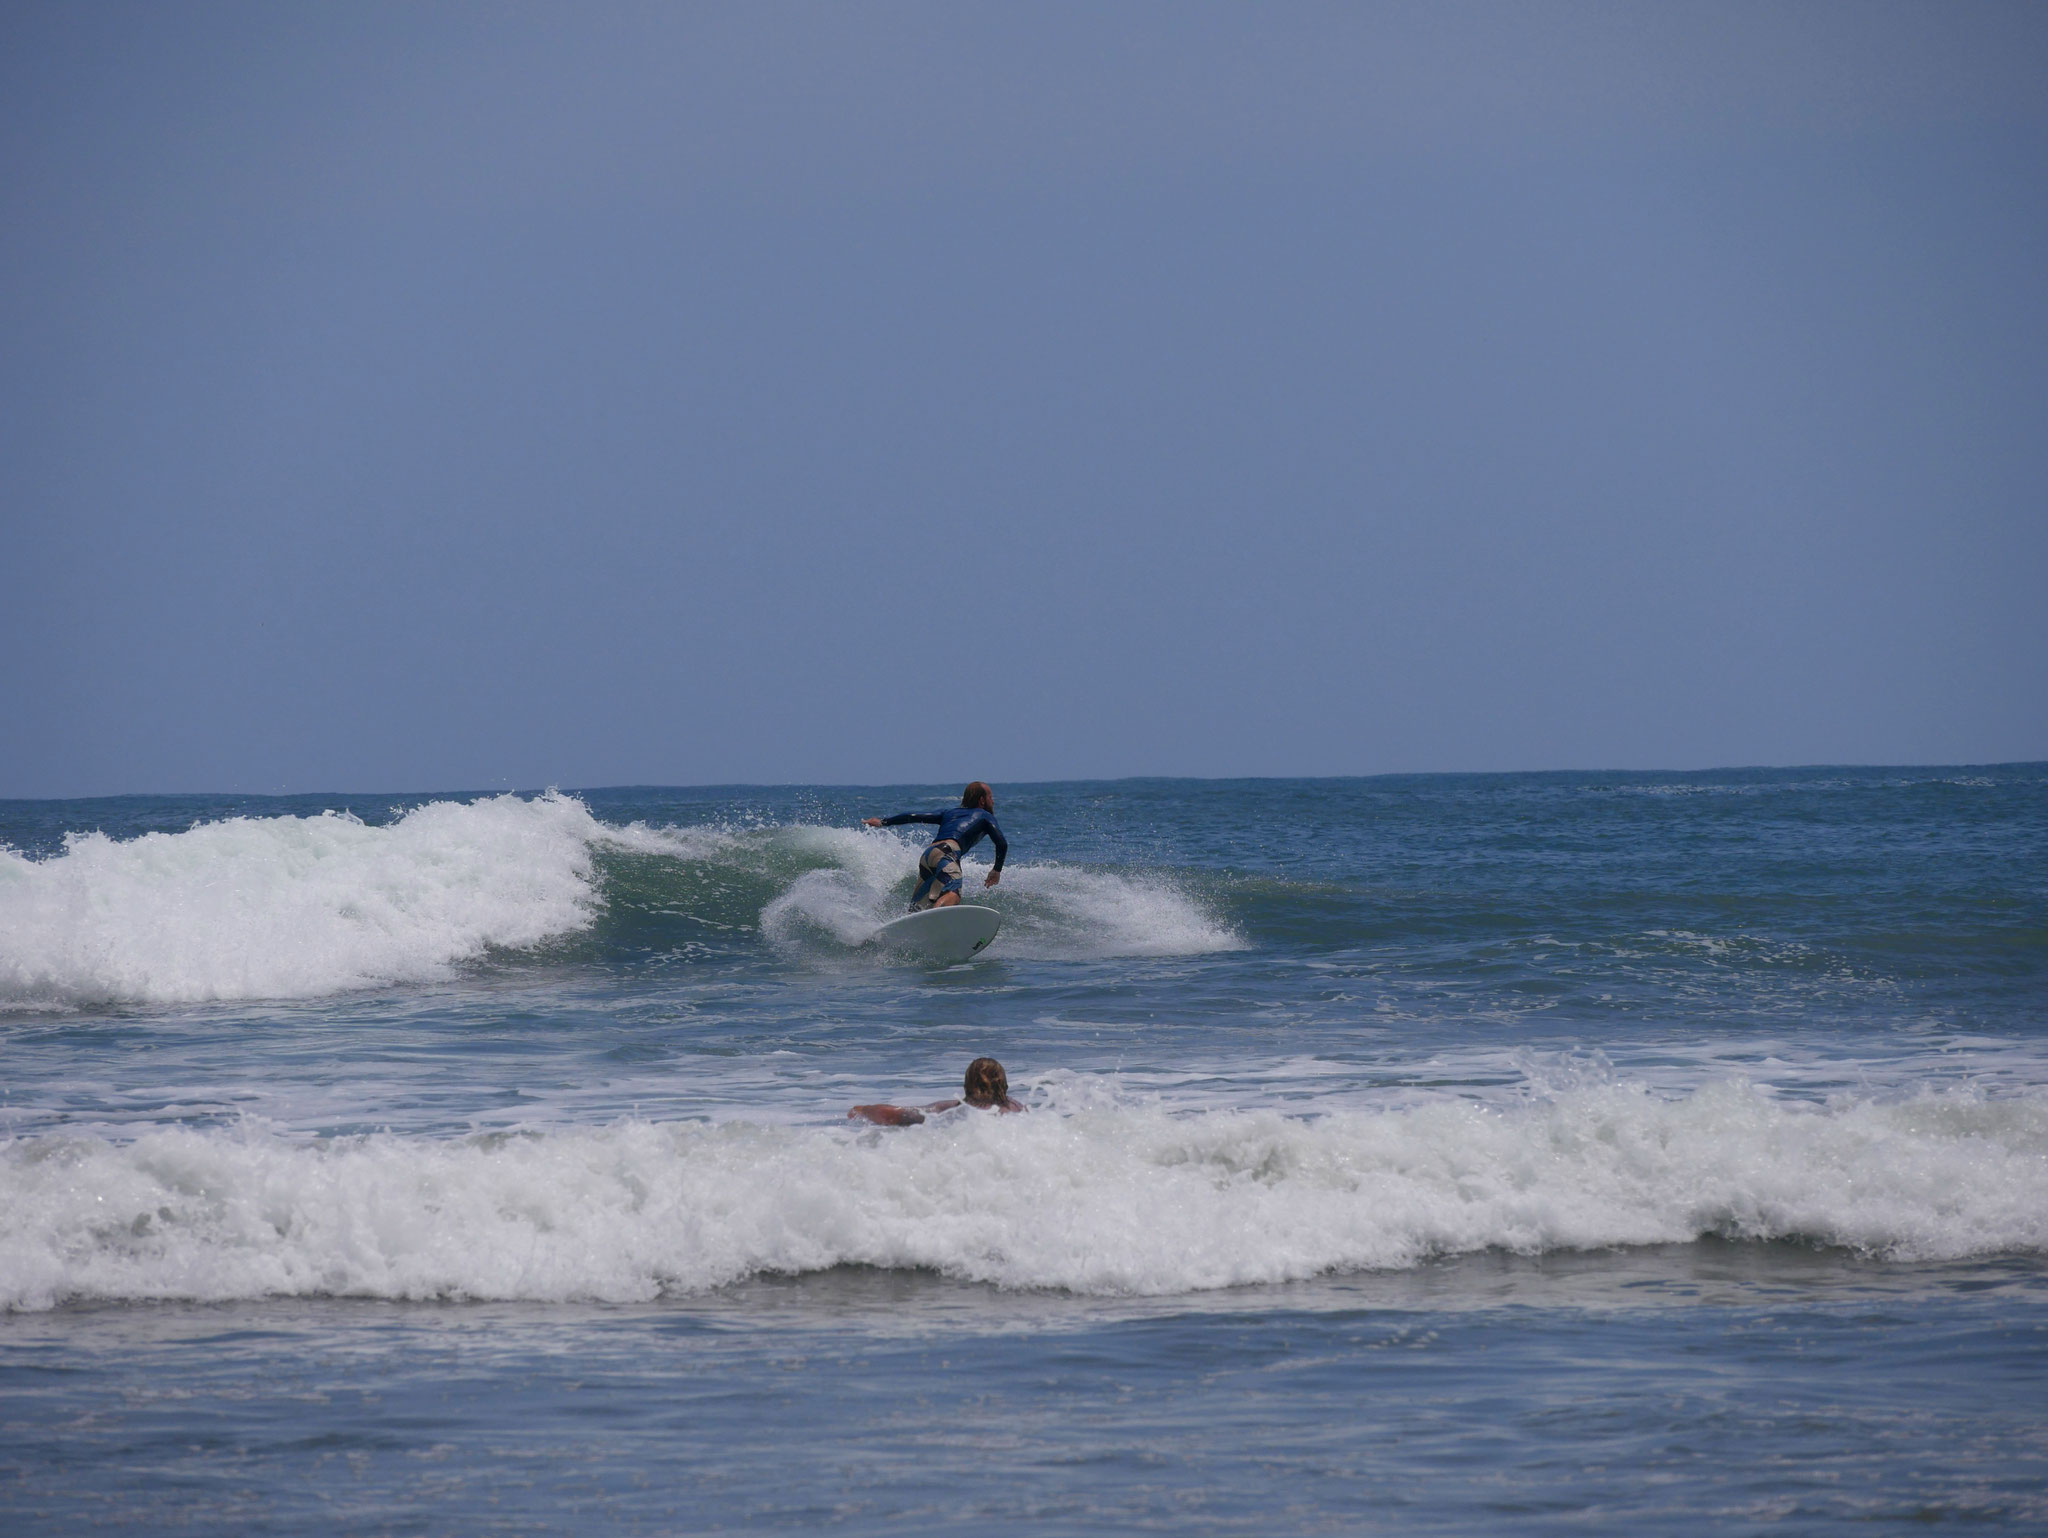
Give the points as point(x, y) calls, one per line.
point(1441, 1153)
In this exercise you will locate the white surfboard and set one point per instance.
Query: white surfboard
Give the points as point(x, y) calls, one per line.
point(940, 934)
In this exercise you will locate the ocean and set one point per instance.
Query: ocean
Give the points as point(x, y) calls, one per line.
point(1436, 1153)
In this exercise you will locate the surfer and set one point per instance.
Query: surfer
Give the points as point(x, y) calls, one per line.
point(987, 1089)
point(960, 829)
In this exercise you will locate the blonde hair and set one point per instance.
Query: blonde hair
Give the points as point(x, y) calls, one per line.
point(986, 1084)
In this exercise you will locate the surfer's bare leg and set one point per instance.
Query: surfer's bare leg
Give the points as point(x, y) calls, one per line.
point(938, 870)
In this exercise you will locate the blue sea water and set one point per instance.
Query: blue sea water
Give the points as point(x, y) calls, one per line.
point(1432, 1153)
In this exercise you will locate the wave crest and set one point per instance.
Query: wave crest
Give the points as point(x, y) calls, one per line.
point(1105, 1199)
point(302, 907)
point(1050, 911)
point(291, 907)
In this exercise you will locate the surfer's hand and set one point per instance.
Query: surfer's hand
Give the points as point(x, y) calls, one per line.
point(871, 822)
point(993, 877)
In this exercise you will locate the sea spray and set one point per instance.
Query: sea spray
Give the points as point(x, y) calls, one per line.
point(303, 907)
point(1051, 911)
point(1102, 1199)
point(292, 907)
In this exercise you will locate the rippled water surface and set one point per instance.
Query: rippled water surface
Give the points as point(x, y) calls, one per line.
point(1443, 1153)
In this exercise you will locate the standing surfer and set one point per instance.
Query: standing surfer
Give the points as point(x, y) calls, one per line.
point(960, 829)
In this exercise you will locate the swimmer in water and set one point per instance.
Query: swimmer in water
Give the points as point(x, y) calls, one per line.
point(987, 1089)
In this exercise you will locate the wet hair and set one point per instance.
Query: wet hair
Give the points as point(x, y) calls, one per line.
point(987, 1084)
point(975, 794)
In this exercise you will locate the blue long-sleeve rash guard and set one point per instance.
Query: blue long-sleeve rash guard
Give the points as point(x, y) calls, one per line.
point(964, 825)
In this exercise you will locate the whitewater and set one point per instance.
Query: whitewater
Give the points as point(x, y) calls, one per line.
point(1466, 1101)
point(633, 1211)
point(299, 907)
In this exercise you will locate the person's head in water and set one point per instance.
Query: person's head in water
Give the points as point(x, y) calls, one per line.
point(987, 1089)
point(978, 794)
point(987, 1084)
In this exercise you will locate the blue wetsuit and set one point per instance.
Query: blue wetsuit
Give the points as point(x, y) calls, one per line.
point(960, 829)
point(964, 825)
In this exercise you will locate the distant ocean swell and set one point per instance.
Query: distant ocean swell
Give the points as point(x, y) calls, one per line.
point(302, 907)
point(1092, 1199)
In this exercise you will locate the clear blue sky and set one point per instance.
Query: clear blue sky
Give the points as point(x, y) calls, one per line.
point(448, 396)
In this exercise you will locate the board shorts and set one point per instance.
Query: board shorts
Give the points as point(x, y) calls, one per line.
point(938, 870)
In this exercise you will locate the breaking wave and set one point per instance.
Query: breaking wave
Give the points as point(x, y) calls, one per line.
point(301, 907)
point(1085, 1194)
point(291, 907)
point(1049, 910)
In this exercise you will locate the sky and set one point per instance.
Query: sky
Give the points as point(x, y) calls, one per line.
point(415, 397)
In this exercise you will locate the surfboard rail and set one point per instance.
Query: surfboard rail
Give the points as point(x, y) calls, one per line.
point(956, 933)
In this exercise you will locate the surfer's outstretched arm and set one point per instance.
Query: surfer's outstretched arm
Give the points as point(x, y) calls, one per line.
point(903, 817)
point(910, 1115)
point(887, 1115)
point(986, 1088)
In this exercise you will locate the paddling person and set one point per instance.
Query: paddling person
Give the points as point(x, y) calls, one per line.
point(987, 1089)
point(960, 829)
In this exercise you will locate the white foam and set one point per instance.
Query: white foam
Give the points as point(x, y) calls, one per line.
point(1069, 911)
point(299, 907)
point(1105, 1198)
point(292, 907)
point(699, 842)
point(1049, 910)
point(847, 898)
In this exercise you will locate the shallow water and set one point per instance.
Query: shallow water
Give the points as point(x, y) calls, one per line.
point(1450, 1153)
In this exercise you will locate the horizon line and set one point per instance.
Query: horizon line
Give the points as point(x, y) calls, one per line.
point(1121, 779)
